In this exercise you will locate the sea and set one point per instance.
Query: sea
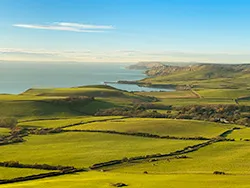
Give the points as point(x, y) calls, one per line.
point(16, 77)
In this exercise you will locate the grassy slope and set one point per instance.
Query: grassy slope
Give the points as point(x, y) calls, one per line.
point(181, 128)
point(104, 180)
point(64, 122)
point(243, 133)
point(84, 149)
point(9, 173)
point(224, 93)
point(208, 76)
point(4, 131)
point(40, 102)
point(21, 109)
point(230, 157)
point(202, 101)
point(170, 95)
point(90, 91)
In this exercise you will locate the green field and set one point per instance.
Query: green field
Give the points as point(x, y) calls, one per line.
point(169, 95)
point(171, 127)
point(64, 122)
point(4, 131)
point(198, 101)
point(105, 180)
point(85, 149)
point(75, 146)
point(243, 133)
point(9, 173)
point(228, 157)
point(224, 93)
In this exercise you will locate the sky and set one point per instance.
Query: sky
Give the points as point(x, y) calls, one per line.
point(215, 31)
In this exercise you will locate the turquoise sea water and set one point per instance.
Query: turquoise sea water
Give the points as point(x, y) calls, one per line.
point(16, 77)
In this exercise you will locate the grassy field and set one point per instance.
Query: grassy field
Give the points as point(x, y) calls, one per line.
point(171, 127)
point(82, 149)
point(228, 157)
point(243, 133)
point(105, 180)
point(9, 173)
point(65, 122)
point(198, 101)
point(169, 95)
point(44, 102)
point(224, 93)
point(85, 149)
point(4, 131)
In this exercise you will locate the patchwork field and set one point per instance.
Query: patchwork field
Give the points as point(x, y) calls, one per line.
point(195, 151)
point(224, 93)
point(64, 122)
point(105, 180)
point(169, 95)
point(163, 127)
point(85, 149)
point(228, 157)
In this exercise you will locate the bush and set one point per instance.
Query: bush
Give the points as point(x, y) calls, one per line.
point(8, 122)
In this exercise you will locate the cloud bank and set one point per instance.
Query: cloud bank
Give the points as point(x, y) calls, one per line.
point(86, 55)
point(66, 26)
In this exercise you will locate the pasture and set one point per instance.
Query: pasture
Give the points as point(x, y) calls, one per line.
point(162, 127)
point(106, 179)
point(85, 149)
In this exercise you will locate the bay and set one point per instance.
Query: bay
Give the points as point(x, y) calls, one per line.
point(16, 77)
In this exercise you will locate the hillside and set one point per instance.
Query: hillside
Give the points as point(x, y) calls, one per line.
point(214, 76)
point(146, 65)
point(206, 71)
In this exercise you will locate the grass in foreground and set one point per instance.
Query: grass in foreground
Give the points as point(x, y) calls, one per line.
point(85, 149)
point(104, 180)
point(171, 127)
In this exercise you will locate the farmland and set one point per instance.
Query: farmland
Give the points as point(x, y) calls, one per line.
point(99, 136)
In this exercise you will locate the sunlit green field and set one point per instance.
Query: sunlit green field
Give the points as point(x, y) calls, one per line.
point(243, 133)
point(81, 149)
point(171, 127)
point(85, 149)
point(228, 157)
point(9, 173)
point(172, 94)
point(64, 122)
point(105, 180)
point(4, 131)
point(197, 101)
point(223, 93)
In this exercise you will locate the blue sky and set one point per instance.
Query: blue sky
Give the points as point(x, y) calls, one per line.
point(125, 30)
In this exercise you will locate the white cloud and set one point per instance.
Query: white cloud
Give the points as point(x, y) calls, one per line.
point(84, 26)
point(64, 26)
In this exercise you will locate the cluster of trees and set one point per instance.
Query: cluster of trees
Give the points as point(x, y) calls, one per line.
point(136, 111)
point(8, 122)
point(44, 131)
point(72, 100)
point(16, 164)
point(10, 139)
point(215, 113)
